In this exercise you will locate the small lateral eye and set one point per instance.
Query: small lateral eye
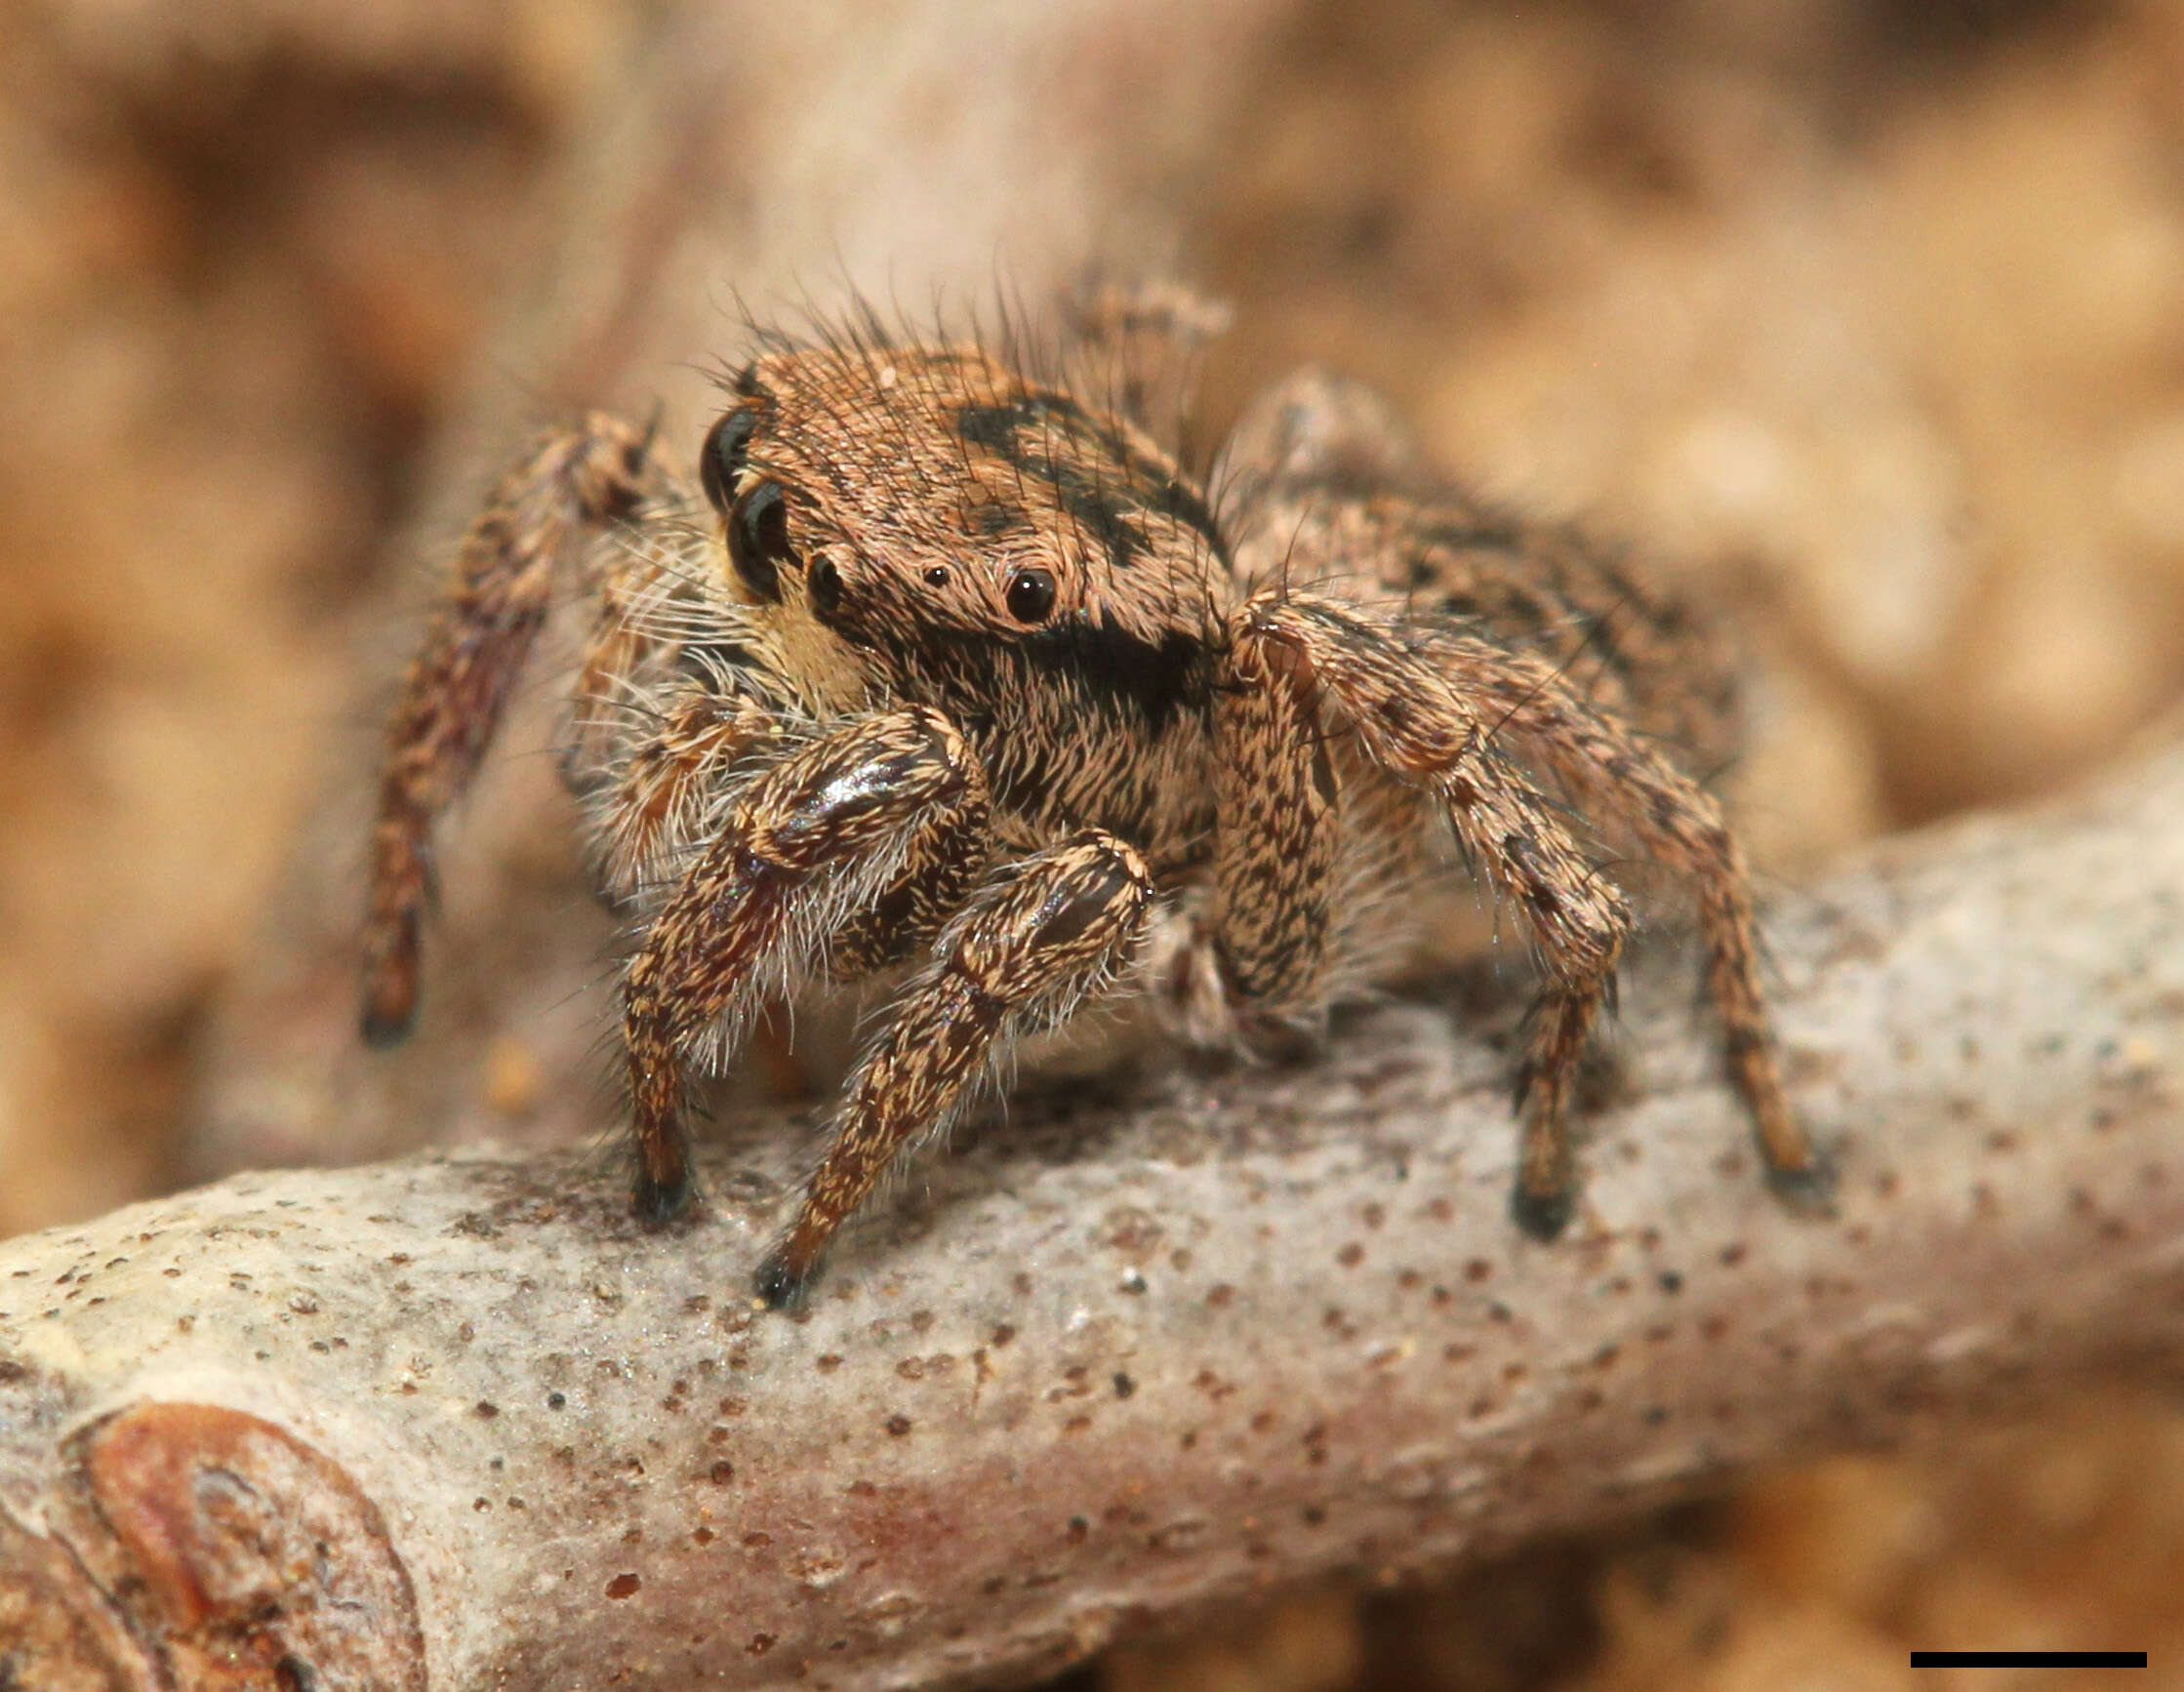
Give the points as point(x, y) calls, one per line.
point(1031, 595)
point(936, 574)
point(759, 538)
point(826, 587)
point(720, 460)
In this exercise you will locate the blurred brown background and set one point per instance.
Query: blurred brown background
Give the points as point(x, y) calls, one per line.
point(1867, 316)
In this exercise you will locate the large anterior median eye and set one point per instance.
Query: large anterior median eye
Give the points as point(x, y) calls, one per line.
point(759, 538)
point(720, 460)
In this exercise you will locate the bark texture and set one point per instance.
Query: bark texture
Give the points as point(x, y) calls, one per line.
point(456, 1422)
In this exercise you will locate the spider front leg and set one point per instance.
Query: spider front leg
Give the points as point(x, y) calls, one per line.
point(1275, 846)
point(574, 484)
point(664, 790)
point(815, 844)
point(1040, 936)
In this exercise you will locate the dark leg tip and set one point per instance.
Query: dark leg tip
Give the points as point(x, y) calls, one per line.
point(1810, 1190)
point(1281, 1042)
point(1542, 1215)
point(777, 1286)
point(383, 1028)
point(659, 1202)
point(389, 979)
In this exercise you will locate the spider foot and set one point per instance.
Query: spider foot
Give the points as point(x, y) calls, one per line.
point(781, 1285)
point(1542, 1215)
point(1809, 1189)
point(660, 1203)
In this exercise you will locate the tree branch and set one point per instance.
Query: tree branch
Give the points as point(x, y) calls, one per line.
point(455, 1421)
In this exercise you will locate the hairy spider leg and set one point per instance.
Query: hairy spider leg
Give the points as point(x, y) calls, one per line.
point(1428, 722)
point(1040, 936)
point(811, 847)
point(575, 482)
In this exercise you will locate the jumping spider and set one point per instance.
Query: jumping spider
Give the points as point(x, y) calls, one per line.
point(941, 667)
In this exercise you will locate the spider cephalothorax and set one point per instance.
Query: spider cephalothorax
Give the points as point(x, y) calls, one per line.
point(938, 669)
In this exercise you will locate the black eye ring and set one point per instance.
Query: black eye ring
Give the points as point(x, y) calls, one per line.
point(758, 538)
point(1031, 595)
point(720, 460)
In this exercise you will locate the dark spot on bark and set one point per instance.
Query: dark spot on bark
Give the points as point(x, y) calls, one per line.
point(624, 1586)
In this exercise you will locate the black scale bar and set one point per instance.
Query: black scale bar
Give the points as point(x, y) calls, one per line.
point(2028, 1658)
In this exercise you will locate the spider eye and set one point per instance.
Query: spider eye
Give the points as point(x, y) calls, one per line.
point(720, 460)
point(759, 538)
point(825, 587)
point(1031, 595)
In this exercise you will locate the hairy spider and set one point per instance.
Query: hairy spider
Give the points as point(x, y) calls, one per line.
point(941, 671)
